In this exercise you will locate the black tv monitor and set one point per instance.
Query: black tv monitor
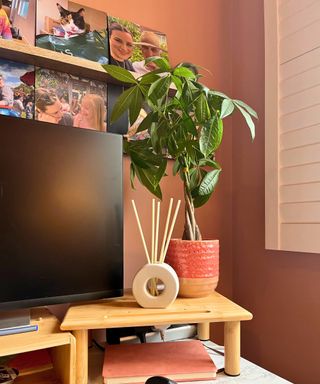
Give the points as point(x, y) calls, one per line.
point(61, 220)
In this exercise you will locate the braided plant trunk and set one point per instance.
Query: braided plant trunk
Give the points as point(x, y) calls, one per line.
point(191, 229)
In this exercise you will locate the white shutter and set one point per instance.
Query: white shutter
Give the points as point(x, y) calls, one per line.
point(292, 126)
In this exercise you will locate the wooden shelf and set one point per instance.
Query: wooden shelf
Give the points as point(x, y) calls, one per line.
point(62, 346)
point(18, 51)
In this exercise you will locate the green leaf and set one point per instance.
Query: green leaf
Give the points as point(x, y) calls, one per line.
point(220, 94)
point(203, 88)
point(215, 101)
point(176, 167)
point(146, 178)
point(149, 78)
point(159, 88)
point(136, 100)
point(246, 107)
point(202, 110)
point(138, 160)
point(249, 121)
point(126, 147)
point(208, 137)
point(132, 175)
point(144, 90)
point(209, 163)
point(209, 182)
point(146, 122)
point(161, 62)
point(184, 72)
point(161, 171)
point(162, 128)
point(195, 178)
point(198, 200)
point(188, 125)
point(177, 82)
point(226, 108)
point(123, 102)
point(218, 134)
point(119, 73)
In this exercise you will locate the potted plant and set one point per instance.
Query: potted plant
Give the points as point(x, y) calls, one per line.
point(185, 124)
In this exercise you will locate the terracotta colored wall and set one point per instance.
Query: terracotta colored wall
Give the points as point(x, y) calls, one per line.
point(280, 288)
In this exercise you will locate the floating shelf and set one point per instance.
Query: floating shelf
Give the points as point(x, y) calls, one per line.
point(18, 51)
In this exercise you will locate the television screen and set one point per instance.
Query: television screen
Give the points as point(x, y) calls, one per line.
point(61, 222)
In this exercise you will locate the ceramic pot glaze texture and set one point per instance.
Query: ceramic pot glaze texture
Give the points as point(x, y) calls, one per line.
point(196, 264)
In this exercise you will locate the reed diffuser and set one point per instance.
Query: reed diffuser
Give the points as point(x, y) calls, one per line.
point(156, 284)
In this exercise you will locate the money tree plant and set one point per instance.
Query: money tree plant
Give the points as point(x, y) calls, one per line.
point(185, 123)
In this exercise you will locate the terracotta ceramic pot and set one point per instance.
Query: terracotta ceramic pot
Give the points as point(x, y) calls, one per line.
point(196, 264)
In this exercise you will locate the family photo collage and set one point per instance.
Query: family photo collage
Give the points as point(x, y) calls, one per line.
point(73, 29)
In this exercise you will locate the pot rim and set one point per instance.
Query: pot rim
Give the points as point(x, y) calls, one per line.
point(195, 241)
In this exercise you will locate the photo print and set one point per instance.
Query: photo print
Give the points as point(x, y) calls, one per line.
point(151, 43)
point(130, 44)
point(16, 89)
point(17, 20)
point(64, 99)
point(73, 29)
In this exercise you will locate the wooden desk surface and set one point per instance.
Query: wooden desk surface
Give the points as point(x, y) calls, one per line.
point(124, 312)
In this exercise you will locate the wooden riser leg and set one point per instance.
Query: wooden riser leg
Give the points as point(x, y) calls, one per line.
point(81, 356)
point(203, 331)
point(232, 348)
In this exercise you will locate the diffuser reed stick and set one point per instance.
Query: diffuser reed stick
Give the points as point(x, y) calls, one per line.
point(166, 228)
point(152, 232)
point(163, 255)
point(141, 232)
point(155, 224)
point(157, 233)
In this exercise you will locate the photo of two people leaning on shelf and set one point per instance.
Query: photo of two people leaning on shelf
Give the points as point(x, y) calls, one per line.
point(122, 48)
point(90, 113)
point(130, 46)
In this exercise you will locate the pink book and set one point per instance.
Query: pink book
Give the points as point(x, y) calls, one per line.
point(179, 361)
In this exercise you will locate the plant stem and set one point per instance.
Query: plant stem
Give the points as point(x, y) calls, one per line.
point(191, 229)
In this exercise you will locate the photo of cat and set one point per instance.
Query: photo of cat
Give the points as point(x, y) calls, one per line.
point(72, 23)
point(72, 28)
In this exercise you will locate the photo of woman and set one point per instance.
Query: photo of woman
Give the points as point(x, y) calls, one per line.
point(92, 114)
point(121, 46)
